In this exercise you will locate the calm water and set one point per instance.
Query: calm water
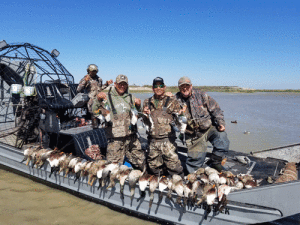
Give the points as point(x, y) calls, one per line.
point(271, 118)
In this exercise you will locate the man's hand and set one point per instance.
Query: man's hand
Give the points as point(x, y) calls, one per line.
point(183, 109)
point(146, 110)
point(87, 78)
point(221, 128)
point(109, 82)
point(169, 94)
point(137, 102)
point(101, 96)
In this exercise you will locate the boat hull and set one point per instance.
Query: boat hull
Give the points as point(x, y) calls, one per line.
point(244, 207)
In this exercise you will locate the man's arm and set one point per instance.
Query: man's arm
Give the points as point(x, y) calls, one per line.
point(175, 106)
point(215, 111)
point(82, 84)
point(107, 83)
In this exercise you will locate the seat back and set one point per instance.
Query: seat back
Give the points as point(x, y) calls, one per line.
point(50, 95)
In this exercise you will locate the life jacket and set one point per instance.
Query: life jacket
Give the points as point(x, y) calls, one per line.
point(120, 122)
point(162, 121)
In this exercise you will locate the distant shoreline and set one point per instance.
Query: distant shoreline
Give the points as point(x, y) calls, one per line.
point(230, 89)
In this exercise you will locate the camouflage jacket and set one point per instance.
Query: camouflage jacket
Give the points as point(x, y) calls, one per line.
point(121, 120)
point(161, 114)
point(91, 85)
point(202, 111)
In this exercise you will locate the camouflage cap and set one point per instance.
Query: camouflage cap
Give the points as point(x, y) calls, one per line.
point(92, 67)
point(184, 80)
point(121, 78)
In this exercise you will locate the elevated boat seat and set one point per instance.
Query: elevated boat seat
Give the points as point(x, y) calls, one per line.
point(49, 95)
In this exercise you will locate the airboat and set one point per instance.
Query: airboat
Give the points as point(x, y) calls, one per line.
point(39, 103)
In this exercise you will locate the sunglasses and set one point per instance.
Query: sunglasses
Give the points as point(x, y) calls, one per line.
point(160, 86)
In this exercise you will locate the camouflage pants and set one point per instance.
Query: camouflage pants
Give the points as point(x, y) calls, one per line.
point(162, 153)
point(130, 147)
point(90, 105)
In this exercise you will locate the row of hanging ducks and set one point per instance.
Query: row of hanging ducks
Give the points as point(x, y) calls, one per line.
point(206, 185)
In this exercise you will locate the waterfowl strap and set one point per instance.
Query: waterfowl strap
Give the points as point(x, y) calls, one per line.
point(111, 103)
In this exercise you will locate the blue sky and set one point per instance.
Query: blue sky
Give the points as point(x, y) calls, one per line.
point(254, 44)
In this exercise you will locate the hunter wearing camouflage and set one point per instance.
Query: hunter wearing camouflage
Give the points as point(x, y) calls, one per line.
point(161, 136)
point(92, 84)
point(121, 134)
point(205, 123)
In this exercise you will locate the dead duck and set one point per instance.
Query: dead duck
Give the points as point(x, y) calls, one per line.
point(147, 122)
point(114, 175)
point(230, 178)
point(106, 172)
point(195, 187)
point(29, 154)
point(124, 172)
point(204, 178)
point(252, 183)
point(223, 191)
point(244, 177)
point(79, 167)
point(54, 161)
point(153, 184)
point(187, 190)
point(222, 178)
point(41, 156)
point(191, 178)
point(63, 164)
point(200, 171)
point(53, 154)
point(208, 171)
point(133, 178)
point(162, 185)
point(134, 116)
point(176, 185)
point(93, 169)
point(84, 171)
point(72, 164)
point(239, 184)
point(99, 171)
point(144, 182)
point(209, 194)
point(191, 187)
point(181, 122)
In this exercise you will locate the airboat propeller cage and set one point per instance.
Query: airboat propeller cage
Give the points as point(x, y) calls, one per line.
point(44, 66)
point(25, 71)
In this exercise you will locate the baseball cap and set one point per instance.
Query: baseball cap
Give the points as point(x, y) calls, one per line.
point(158, 79)
point(121, 78)
point(184, 80)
